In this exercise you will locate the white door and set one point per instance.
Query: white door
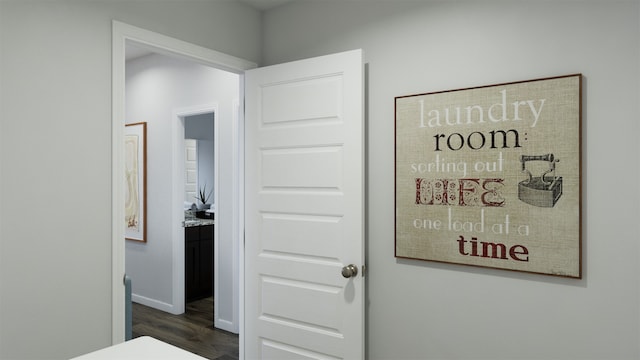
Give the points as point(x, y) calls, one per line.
point(304, 219)
point(191, 170)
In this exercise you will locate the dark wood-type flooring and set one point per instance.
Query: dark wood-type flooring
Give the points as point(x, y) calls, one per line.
point(192, 331)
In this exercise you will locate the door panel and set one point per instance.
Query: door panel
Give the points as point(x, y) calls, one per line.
point(304, 216)
point(312, 168)
point(296, 101)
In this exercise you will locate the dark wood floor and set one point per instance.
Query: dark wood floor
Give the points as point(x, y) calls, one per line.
point(192, 331)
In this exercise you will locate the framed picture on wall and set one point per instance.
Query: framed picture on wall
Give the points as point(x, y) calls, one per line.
point(136, 182)
point(490, 176)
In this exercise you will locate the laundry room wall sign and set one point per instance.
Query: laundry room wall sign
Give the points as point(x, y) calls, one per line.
point(491, 176)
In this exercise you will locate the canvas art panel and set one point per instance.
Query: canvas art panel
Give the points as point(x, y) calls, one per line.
point(135, 185)
point(491, 176)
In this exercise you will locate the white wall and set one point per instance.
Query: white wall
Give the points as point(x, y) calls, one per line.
point(55, 112)
point(425, 310)
point(157, 86)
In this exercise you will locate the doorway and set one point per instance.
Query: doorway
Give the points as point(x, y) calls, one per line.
point(229, 252)
point(278, 86)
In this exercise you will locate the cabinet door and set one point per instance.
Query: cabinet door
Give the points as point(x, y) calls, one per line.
point(191, 272)
point(206, 261)
point(198, 262)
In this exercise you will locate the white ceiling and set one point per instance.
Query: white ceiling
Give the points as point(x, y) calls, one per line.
point(265, 4)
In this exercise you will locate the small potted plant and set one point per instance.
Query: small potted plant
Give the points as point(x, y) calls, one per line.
point(203, 197)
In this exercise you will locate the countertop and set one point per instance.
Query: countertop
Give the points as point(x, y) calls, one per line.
point(193, 218)
point(197, 222)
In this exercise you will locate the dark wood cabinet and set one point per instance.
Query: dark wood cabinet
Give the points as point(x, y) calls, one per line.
point(198, 262)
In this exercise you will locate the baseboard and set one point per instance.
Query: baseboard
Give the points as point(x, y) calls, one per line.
point(156, 304)
point(225, 325)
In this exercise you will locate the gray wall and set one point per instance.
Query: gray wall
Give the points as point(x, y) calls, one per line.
point(55, 156)
point(423, 310)
point(55, 246)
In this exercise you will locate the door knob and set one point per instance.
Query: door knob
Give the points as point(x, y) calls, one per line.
point(349, 271)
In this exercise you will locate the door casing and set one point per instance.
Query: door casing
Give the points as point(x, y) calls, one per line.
point(123, 34)
point(178, 188)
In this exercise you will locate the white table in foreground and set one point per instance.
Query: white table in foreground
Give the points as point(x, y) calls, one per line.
point(143, 347)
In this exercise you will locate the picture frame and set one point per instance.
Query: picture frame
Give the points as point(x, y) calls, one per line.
point(490, 176)
point(135, 221)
